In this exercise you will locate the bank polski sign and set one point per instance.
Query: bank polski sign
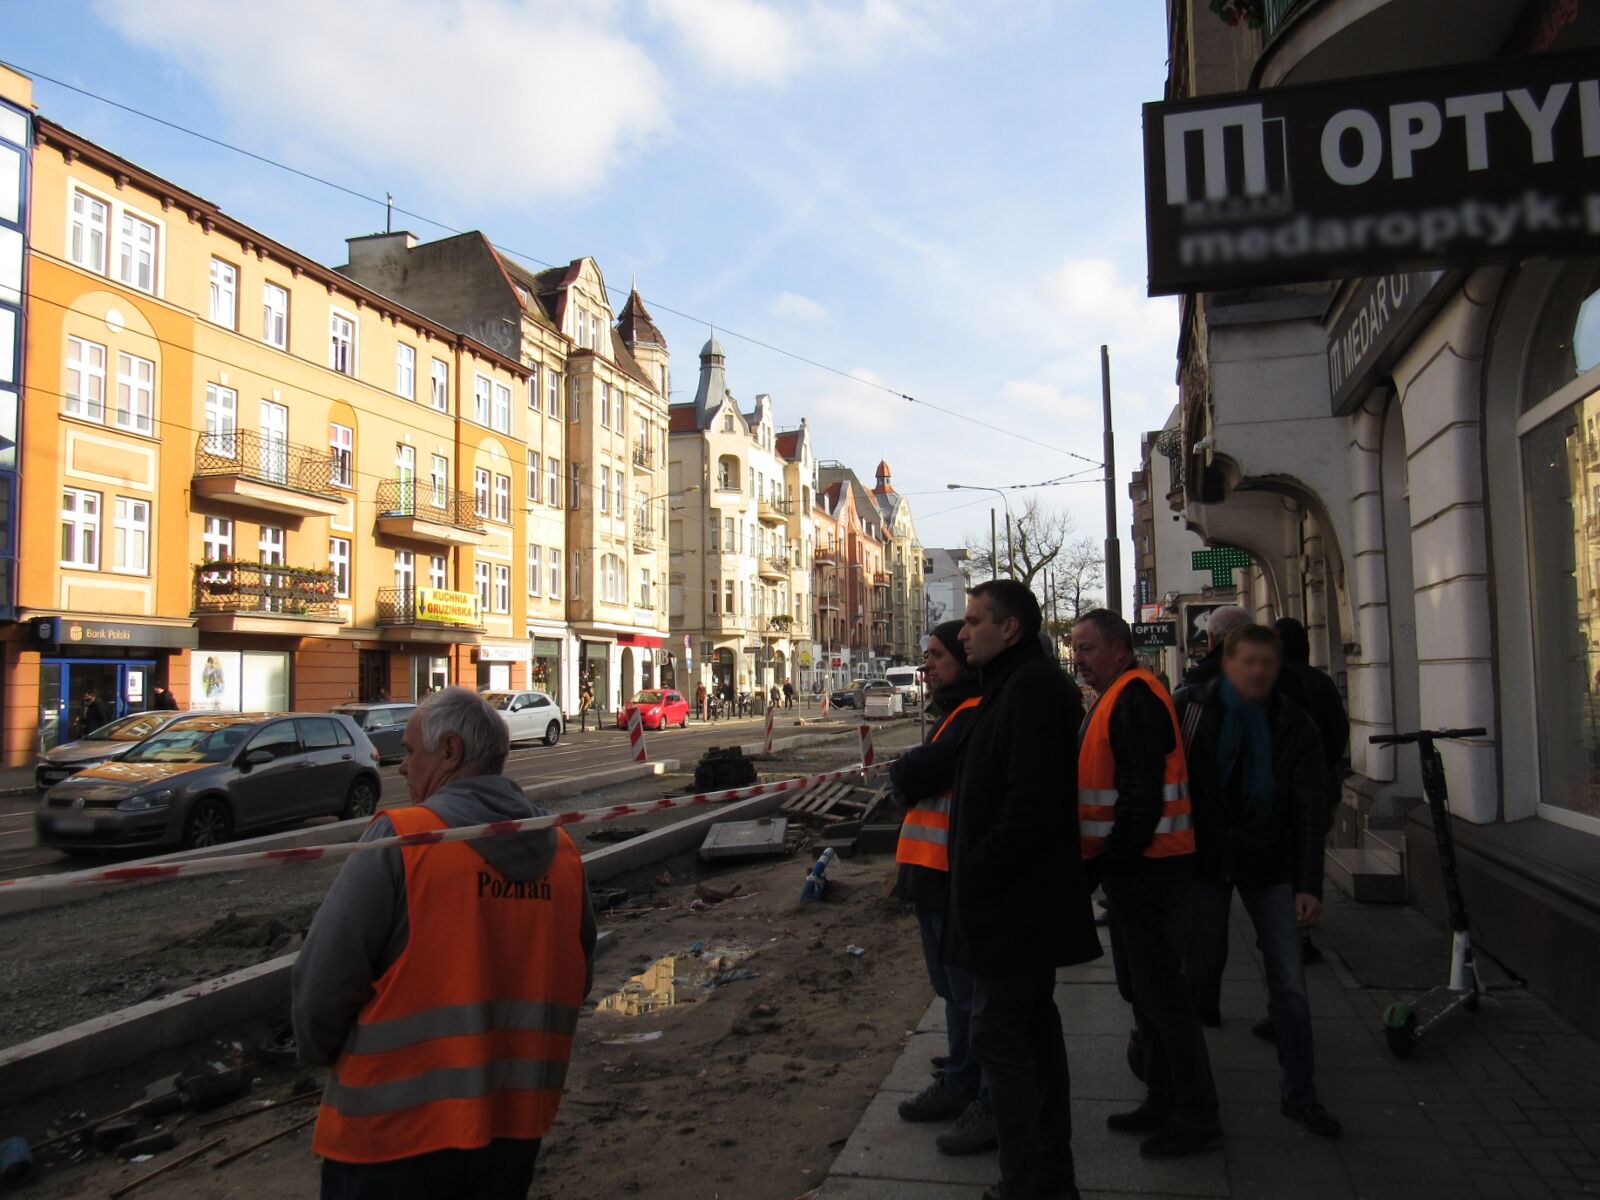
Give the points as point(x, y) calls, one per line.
point(1393, 172)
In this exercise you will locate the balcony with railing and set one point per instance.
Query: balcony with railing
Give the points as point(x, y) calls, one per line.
point(266, 473)
point(772, 567)
point(247, 597)
point(726, 623)
point(643, 458)
point(419, 510)
point(828, 601)
point(644, 537)
point(1306, 41)
point(429, 614)
point(882, 579)
point(825, 558)
point(774, 511)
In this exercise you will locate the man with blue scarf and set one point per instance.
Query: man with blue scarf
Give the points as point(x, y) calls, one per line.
point(1258, 783)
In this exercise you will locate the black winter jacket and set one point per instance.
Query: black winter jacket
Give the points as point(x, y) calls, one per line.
point(926, 771)
point(1231, 846)
point(1019, 899)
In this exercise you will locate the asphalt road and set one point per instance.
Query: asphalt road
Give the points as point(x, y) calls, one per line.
point(579, 753)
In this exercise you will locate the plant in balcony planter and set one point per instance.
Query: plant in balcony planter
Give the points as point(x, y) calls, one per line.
point(1239, 12)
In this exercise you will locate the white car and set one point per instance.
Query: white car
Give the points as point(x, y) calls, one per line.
point(907, 684)
point(529, 716)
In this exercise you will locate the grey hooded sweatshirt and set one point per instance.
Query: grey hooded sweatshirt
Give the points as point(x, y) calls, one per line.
point(364, 925)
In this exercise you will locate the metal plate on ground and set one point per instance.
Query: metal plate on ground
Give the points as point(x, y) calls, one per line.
point(762, 838)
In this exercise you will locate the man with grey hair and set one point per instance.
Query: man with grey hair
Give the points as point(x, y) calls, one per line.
point(441, 980)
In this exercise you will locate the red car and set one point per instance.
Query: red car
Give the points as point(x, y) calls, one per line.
point(659, 707)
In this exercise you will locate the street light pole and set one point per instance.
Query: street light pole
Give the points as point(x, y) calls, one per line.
point(1113, 552)
point(1011, 567)
point(994, 550)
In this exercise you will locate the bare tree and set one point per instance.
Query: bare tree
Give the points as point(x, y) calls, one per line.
point(1079, 571)
point(1038, 535)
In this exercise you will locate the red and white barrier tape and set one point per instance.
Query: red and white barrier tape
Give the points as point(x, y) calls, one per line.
point(225, 864)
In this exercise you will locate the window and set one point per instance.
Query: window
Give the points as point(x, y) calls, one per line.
point(535, 570)
point(438, 571)
point(574, 409)
point(270, 545)
point(216, 539)
point(605, 405)
point(86, 379)
point(480, 577)
point(405, 571)
point(730, 592)
point(405, 371)
point(222, 419)
point(644, 588)
point(502, 498)
point(130, 547)
point(502, 588)
point(439, 475)
point(87, 239)
point(405, 471)
point(501, 418)
point(480, 399)
point(342, 446)
point(552, 477)
point(535, 483)
point(727, 422)
point(441, 385)
point(339, 564)
point(712, 591)
point(577, 488)
point(533, 388)
point(224, 293)
point(136, 384)
point(555, 573)
point(576, 590)
point(605, 490)
point(480, 492)
point(137, 249)
point(552, 392)
point(275, 316)
point(342, 343)
point(611, 579)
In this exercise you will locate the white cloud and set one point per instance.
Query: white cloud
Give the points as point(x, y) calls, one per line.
point(800, 308)
point(841, 406)
point(454, 93)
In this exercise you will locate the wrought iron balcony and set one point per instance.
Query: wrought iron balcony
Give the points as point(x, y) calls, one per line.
point(828, 601)
point(435, 608)
point(882, 579)
point(774, 511)
point(770, 567)
point(246, 467)
point(415, 508)
point(247, 589)
point(1275, 12)
point(642, 457)
point(825, 558)
point(644, 538)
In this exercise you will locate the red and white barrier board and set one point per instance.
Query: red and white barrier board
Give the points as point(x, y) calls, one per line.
point(771, 712)
point(636, 735)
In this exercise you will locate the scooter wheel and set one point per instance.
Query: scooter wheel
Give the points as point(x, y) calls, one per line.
point(1400, 1029)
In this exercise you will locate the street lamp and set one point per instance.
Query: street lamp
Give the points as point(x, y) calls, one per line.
point(994, 560)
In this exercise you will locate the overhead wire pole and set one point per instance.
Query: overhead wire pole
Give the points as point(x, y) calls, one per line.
point(1113, 552)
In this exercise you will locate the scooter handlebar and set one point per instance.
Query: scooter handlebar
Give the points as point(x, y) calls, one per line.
point(1403, 739)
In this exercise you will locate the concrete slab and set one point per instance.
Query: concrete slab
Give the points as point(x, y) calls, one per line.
point(1110, 1162)
point(885, 1147)
point(844, 1188)
point(912, 1071)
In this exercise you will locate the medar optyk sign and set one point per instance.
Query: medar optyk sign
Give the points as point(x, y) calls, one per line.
point(1375, 175)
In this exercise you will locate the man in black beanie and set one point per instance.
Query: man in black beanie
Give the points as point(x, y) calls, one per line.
point(922, 780)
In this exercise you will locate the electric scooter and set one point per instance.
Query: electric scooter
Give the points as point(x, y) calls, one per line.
point(1405, 1023)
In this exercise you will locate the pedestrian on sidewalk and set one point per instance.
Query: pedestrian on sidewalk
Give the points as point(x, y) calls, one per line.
point(923, 779)
point(162, 699)
point(1019, 902)
point(788, 694)
point(1138, 838)
point(443, 981)
point(1218, 625)
point(1258, 785)
point(700, 700)
point(585, 703)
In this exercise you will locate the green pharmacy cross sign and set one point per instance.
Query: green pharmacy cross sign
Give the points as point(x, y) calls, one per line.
point(1221, 561)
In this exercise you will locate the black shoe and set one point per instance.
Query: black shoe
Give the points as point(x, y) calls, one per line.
point(1265, 1030)
point(973, 1134)
point(1176, 1141)
point(939, 1061)
point(1315, 1118)
point(1211, 1018)
point(1139, 1120)
point(933, 1103)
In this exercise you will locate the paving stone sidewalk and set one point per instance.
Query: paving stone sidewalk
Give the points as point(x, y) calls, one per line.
point(1503, 1103)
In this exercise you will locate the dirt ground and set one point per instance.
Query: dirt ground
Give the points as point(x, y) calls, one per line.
point(122, 946)
point(729, 1049)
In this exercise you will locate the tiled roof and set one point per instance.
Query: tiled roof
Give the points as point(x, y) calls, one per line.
point(681, 419)
point(789, 444)
point(635, 324)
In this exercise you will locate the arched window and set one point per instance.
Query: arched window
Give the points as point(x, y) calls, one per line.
point(728, 473)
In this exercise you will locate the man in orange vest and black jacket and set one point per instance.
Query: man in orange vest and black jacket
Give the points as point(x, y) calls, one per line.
point(1138, 837)
point(1019, 902)
point(923, 778)
point(442, 980)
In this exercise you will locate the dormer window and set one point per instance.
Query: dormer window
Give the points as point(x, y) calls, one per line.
point(727, 422)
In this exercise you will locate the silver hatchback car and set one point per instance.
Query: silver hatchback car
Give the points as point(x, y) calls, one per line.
point(207, 776)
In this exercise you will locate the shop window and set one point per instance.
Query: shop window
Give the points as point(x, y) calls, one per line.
point(1566, 340)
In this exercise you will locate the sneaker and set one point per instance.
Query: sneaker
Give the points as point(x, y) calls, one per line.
point(1265, 1030)
point(1141, 1120)
point(933, 1103)
point(973, 1133)
point(1176, 1141)
point(1315, 1118)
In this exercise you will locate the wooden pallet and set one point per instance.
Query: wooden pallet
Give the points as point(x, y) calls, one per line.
point(830, 803)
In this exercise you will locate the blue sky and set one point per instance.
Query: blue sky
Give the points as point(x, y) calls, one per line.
point(941, 195)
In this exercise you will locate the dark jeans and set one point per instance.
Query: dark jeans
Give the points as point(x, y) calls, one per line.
point(1145, 907)
point(502, 1170)
point(961, 1075)
point(1205, 935)
point(1016, 1036)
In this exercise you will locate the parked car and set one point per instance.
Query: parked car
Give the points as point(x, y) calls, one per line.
point(384, 725)
point(658, 708)
point(101, 745)
point(854, 694)
point(528, 715)
point(208, 776)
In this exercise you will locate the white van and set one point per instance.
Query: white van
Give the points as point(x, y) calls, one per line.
point(907, 683)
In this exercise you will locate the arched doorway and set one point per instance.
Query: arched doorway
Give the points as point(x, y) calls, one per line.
point(626, 682)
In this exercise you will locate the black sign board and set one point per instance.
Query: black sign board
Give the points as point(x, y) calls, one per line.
point(1148, 635)
point(109, 635)
point(1368, 330)
point(1384, 173)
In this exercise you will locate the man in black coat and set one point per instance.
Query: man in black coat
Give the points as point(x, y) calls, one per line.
point(1257, 786)
point(1316, 692)
point(1019, 901)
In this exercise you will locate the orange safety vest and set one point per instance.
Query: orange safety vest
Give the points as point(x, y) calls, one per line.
point(1097, 778)
point(467, 1036)
point(925, 833)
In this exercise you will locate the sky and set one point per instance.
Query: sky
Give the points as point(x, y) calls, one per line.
point(943, 197)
